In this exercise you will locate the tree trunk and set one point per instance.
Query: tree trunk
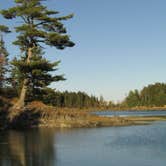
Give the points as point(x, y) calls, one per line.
point(21, 102)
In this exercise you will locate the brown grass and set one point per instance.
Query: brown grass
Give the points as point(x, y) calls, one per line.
point(37, 114)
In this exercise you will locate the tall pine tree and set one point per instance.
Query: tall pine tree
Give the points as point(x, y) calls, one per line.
point(38, 72)
point(39, 26)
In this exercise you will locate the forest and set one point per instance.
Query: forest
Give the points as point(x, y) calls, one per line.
point(27, 77)
point(150, 96)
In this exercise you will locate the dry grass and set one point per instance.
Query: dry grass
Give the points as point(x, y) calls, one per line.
point(37, 114)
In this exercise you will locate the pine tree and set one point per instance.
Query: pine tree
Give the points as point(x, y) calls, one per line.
point(39, 26)
point(38, 73)
point(133, 99)
point(3, 56)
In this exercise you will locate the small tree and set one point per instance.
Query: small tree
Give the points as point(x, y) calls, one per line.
point(39, 26)
point(133, 99)
point(3, 56)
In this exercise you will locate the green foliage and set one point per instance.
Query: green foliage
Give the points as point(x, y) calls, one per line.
point(152, 95)
point(133, 98)
point(40, 25)
point(69, 99)
point(3, 62)
point(16, 79)
point(4, 29)
point(38, 72)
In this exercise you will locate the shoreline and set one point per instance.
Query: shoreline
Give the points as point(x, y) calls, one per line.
point(97, 121)
point(47, 116)
point(73, 121)
point(137, 109)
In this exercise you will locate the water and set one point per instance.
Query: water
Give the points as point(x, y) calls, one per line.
point(111, 146)
point(131, 113)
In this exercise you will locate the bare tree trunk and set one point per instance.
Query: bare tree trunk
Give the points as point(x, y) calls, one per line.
point(21, 102)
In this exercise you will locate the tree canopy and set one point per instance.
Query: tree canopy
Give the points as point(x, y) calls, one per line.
point(3, 56)
point(151, 95)
point(39, 26)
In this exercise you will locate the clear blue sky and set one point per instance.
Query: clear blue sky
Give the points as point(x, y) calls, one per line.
point(120, 45)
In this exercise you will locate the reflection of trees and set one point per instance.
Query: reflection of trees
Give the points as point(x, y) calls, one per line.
point(31, 148)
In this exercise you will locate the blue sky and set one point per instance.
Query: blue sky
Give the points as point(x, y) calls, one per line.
point(120, 45)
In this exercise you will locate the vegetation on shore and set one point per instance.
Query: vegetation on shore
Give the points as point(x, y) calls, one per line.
point(38, 27)
point(153, 95)
point(27, 76)
point(37, 114)
point(26, 99)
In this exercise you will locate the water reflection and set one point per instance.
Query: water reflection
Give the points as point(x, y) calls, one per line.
point(131, 113)
point(33, 148)
point(110, 146)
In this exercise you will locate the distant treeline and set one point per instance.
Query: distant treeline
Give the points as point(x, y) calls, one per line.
point(70, 99)
point(153, 95)
point(57, 98)
point(150, 96)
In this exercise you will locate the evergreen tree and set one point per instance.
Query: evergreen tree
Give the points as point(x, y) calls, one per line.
point(154, 95)
point(151, 95)
point(39, 26)
point(133, 99)
point(3, 57)
point(69, 99)
point(16, 78)
point(38, 73)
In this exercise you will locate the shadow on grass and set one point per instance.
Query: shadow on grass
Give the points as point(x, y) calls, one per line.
point(23, 119)
point(17, 119)
point(4, 112)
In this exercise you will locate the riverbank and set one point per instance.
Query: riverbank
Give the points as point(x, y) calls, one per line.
point(37, 115)
point(138, 108)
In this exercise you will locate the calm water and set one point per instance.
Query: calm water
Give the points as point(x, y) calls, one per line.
point(131, 113)
point(111, 146)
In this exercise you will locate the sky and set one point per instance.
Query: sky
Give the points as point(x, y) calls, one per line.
point(120, 45)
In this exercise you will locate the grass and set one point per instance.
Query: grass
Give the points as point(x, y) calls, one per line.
point(37, 114)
